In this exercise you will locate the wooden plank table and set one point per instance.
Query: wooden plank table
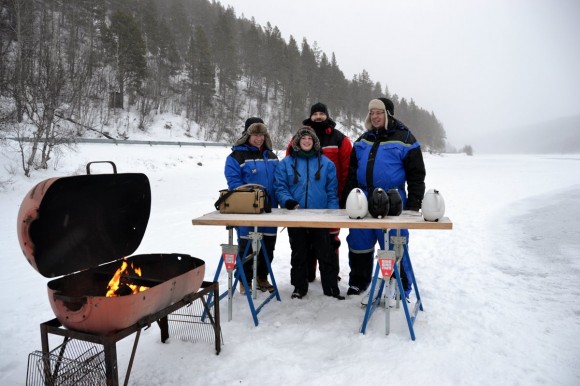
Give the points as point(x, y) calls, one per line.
point(320, 218)
point(332, 218)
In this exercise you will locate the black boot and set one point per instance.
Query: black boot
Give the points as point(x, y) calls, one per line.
point(334, 292)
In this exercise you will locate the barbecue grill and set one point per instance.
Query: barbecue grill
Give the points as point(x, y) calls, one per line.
point(79, 231)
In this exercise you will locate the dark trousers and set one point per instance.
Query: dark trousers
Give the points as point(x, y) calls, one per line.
point(270, 243)
point(313, 259)
point(317, 239)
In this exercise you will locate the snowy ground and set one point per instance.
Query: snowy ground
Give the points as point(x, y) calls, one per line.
point(500, 290)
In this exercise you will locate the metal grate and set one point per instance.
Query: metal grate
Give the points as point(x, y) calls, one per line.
point(72, 363)
point(193, 323)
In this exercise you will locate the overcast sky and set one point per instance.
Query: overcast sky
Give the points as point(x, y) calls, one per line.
point(479, 65)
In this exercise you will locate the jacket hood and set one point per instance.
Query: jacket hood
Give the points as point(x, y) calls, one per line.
point(304, 132)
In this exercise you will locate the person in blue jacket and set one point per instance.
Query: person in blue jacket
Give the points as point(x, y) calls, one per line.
point(386, 156)
point(252, 161)
point(306, 179)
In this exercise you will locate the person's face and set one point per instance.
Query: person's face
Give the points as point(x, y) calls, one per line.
point(256, 140)
point(378, 117)
point(306, 143)
point(318, 116)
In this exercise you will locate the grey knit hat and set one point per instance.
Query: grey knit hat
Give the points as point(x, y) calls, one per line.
point(255, 129)
point(304, 131)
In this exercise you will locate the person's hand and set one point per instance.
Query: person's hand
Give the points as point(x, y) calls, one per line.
point(291, 204)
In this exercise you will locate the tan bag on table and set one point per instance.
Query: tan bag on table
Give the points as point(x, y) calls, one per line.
point(245, 199)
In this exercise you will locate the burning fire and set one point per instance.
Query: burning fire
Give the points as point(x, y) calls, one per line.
point(120, 285)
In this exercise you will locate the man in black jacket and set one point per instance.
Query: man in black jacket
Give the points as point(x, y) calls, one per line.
point(386, 156)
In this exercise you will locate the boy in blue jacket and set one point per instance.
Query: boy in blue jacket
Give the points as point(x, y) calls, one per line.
point(307, 179)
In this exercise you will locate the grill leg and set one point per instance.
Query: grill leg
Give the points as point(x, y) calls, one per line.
point(164, 327)
point(111, 370)
point(132, 357)
point(45, 352)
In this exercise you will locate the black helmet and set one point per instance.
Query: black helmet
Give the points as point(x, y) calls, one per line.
point(378, 203)
point(395, 201)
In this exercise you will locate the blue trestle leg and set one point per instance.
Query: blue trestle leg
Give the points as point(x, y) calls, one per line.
point(401, 250)
point(257, 244)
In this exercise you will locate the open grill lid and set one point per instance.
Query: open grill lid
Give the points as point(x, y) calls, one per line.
point(74, 223)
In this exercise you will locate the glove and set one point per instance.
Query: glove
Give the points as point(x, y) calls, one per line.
point(290, 204)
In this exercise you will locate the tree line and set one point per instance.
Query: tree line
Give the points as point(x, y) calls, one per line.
point(68, 67)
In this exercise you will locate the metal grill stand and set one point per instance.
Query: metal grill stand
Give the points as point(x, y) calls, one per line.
point(109, 342)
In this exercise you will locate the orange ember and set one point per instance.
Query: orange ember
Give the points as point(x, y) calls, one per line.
point(120, 283)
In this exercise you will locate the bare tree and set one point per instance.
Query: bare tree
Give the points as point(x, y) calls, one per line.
point(43, 89)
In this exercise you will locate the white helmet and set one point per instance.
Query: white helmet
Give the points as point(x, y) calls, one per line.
point(433, 206)
point(356, 204)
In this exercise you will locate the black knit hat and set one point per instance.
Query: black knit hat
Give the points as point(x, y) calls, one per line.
point(251, 120)
point(388, 105)
point(319, 107)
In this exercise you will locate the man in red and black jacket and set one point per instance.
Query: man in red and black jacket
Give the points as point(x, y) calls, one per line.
point(337, 147)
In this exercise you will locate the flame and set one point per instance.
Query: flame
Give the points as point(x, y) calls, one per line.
point(117, 283)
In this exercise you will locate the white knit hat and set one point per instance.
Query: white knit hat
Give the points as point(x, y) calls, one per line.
point(376, 104)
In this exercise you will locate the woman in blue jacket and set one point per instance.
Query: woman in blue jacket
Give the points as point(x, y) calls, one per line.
point(307, 179)
point(252, 161)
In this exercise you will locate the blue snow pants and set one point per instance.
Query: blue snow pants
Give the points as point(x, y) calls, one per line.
point(361, 246)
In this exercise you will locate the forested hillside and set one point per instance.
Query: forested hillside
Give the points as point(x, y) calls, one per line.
point(68, 67)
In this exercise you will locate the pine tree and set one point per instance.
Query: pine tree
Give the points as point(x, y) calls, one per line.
point(225, 53)
point(201, 73)
point(273, 62)
point(294, 89)
point(128, 50)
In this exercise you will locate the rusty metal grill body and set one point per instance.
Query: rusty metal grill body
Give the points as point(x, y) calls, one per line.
point(79, 302)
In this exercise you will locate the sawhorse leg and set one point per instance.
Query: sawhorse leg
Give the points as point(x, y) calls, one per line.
point(233, 249)
point(373, 304)
point(400, 248)
point(419, 304)
point(257, 244)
